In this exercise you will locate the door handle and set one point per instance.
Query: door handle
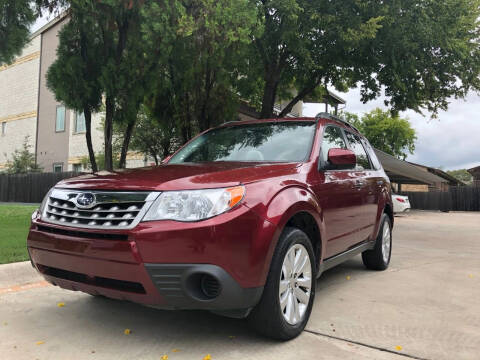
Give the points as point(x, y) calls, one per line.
point(359, 184)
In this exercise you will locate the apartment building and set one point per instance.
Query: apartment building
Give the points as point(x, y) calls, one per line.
point(19, 100)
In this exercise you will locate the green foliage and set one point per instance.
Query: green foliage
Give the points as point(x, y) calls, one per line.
point(197, 82)
point(386, 132)
point(420, 52)
point(16, 17)
point(462, 175)
point(23, 160)
point(150, 137)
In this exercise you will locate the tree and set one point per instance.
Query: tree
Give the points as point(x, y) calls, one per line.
point(16, 17)
point(386, 132)
point(74, 77)
point(106, 53)
point(462, 175)
point(197, 84)
point(150, 137)
point(23, 160)
point(420, 52)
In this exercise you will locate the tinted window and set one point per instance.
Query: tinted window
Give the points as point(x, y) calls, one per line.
point(357, 147)
point(332, 139)
point(373, 157)
point(273, 141)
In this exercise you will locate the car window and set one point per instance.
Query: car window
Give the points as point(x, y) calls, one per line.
point(377, 165)
point(332, 139)
point(357, 147)
point(289, 141)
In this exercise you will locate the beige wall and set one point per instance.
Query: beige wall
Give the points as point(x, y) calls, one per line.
point(52, 146)
point(77, 144)
point(18, 100)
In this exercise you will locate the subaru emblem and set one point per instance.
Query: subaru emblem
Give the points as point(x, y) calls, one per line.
point(85, 200)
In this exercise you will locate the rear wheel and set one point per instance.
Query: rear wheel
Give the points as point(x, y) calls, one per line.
point(379, 257)
point(287, 299)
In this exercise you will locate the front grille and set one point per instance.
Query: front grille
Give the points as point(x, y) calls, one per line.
point(105, 209)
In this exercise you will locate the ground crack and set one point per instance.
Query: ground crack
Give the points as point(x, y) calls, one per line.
point(365, 345)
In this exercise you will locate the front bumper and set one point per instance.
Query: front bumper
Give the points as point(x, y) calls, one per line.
point(165, 264)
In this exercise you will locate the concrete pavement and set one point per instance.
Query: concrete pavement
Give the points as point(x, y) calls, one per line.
point(425, 306)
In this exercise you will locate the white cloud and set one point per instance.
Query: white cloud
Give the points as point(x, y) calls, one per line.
point(452, 141)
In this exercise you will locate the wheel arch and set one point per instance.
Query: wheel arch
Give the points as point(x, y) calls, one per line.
point(304, 221)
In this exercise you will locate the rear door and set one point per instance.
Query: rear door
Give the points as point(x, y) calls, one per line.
point(365, 184)
point(336, 192)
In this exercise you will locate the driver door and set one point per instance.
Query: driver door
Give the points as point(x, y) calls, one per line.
point(339, 198)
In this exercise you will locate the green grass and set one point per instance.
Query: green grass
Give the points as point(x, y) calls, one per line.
point(14, 225)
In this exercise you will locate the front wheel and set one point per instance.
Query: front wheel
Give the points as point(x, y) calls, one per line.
point(379, 257)
point(287, 299)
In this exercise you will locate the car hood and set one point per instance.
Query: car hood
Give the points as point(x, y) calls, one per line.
point(180, 176)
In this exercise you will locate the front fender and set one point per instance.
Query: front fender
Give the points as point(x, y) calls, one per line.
point(282, 206)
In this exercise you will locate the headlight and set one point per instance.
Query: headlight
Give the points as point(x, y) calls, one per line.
point(44, 203)
point(194, 205)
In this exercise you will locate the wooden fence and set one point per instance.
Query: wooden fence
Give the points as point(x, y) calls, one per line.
point(461, 198)
point(29, 188)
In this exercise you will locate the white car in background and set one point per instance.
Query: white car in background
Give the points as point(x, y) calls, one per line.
point(400, 203)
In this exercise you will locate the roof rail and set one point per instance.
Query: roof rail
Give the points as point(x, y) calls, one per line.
point(324, 115)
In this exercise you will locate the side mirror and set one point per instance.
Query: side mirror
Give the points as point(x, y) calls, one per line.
point(341, 159)
point(164, 161)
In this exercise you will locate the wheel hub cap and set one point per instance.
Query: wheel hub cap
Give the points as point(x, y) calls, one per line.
point(386, 243)
point(295, 284)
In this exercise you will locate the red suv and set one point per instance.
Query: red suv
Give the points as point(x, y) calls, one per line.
point(240, 221)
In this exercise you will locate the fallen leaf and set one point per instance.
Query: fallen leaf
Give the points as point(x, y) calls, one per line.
point(231, 337)
point(175, 350)
point(470, 276)
point(398, 348)
point(127, 331)
point(61, 304)
point(5, 323)
point(164, 357)
point(40, 343)
point(348, 277)
point(208, 357)
point(93, 351)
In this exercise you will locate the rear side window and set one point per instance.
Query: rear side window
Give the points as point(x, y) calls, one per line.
point(377, 165)
point(332, 139)
point(357, 147)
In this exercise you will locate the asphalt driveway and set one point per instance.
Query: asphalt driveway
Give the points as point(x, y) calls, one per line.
point(425, 306)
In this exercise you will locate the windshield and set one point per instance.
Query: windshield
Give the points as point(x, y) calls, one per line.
point(288, 141)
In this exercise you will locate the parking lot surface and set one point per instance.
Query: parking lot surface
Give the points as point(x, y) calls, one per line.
point(425, 306)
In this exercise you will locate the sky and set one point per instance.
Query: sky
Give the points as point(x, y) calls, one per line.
point(451, 142)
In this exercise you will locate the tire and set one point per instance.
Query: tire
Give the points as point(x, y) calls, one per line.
point(269, 317)
point(379, 257)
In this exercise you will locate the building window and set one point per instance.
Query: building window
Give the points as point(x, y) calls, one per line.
point(4, 127)
point(58, 168)
point(80, 123)
point(77, 167)
point(60, 119)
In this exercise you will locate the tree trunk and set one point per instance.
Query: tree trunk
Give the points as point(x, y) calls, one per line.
point(88, 135)
point(126, 143)
point(269, 94)
point(300, 96)
point(108, 136)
